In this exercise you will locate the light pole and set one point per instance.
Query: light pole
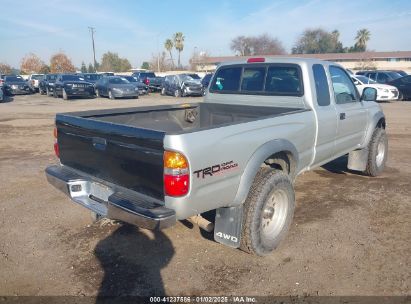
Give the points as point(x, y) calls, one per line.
point(92, 31)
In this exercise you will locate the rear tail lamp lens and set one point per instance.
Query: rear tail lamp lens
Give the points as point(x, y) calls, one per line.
point(176, 174)
point(56, 145)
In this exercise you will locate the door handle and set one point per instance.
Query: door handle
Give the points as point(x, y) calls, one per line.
point(342, 116)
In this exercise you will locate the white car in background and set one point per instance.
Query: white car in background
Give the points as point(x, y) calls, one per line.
point(385, 92)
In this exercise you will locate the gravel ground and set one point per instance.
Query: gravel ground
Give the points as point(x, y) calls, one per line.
point(350, 235)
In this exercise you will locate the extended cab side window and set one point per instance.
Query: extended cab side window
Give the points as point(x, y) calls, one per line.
point(321, 85)
point(344, 89)
point(227, 79)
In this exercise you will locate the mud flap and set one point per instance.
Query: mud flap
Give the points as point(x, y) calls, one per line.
point(357, 160)
point(228, 222)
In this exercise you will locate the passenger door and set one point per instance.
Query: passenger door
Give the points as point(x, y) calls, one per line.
point(326, 117)
point(351, 113)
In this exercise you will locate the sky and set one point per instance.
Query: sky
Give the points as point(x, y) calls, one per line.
point(137, 29)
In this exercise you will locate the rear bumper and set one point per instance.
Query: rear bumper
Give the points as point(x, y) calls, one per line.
point(124, 205)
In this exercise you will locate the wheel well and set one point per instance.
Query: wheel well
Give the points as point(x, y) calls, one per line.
point(283, 161)
point(381, 123)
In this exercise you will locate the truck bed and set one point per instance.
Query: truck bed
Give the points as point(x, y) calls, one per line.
point(125, 146)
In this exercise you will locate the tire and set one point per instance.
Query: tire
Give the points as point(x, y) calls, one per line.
point(110, 95)
point(65, 96)
point(97, 93)
point(55, 93)
point(184, 93)
point(47, 92)
point(400, 97)
point(377, 153)
point(163, 91)
point(268, 212)
point(177, 93)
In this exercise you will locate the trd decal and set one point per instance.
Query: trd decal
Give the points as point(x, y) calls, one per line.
point(216, 169)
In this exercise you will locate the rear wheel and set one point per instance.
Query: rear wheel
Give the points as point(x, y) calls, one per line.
point(268, 212)
point(377, 153)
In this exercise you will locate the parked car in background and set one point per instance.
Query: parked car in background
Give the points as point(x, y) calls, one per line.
point(106, 74)
point(381, 76)
point(385, 92)
point(205, 82)
point(46, 85)
point(34, 81)
point(403, 85)
point(181, 85)
point(143, 89)
point(1, 94)
point(15, 84)
point(71, 85)
point(91, 77)
point(2, 79)
point(149, 78)
point(116, 87)
point(194, 76)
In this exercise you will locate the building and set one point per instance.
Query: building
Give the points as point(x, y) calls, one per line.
point(400, 60)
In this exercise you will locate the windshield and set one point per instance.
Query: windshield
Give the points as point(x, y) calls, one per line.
point(365, 80)
point(394, 75)
point(149, 75)
point(92, 76)
point(130, 78)
point(186, 78)
point(118, 80)
point(72, 78)
point(37, 77)
point(14, 79)
point(194, 76)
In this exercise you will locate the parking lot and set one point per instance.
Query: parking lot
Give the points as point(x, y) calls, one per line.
point(350, 235)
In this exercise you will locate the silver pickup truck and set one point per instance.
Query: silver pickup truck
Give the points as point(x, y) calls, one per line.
point(263, 122)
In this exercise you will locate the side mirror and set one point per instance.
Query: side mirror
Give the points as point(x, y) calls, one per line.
point(369, 94)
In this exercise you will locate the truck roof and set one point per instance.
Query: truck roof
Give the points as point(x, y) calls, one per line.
point(267, 59)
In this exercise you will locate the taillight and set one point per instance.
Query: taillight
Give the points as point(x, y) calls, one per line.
point(147, 81)
point(56, 145)
point(176, 174)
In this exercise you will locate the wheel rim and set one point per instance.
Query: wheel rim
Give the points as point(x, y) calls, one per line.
point(176, 93)
point(110, 95)
point(274, 214)
point(380, 153)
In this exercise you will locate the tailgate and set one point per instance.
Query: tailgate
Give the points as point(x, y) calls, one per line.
point(123, 155)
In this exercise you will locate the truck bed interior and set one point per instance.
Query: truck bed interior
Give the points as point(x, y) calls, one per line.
point(189, 118)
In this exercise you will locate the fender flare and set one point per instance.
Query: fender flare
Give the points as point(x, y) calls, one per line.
point(373, 124)
point(255, 162)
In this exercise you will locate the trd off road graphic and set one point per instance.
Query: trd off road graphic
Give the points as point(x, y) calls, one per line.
point(216, 169)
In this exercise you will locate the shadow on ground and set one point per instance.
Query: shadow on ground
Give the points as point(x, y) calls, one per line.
point(132, 260)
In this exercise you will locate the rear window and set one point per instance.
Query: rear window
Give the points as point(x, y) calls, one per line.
point(14, 79)
point(149, 75)
point(72, 78)
point(37, 77)
point(118, 80)
point(92, 76)
point(265, 79)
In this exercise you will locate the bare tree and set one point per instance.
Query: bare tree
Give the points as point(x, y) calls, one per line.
point(160, 61)
point(60, 63)
point(257, 45)
point(31, 63)
point(5, 68)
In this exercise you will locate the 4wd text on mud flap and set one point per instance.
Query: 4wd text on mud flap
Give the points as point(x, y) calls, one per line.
point(216, 169)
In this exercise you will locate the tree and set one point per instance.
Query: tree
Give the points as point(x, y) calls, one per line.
point(168, 45)
point(257, 45)
point(90, 68)
point(317, 41)
point(31, 63)
point(363, 36)
point(60, 63)
point(83, 68)
point(45, 69)
point(111, 62)
point(159, 61)
point(179, 44)
point(145, 65)
point(5, 68)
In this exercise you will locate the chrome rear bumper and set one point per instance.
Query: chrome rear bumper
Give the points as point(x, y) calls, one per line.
point(124, 205)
